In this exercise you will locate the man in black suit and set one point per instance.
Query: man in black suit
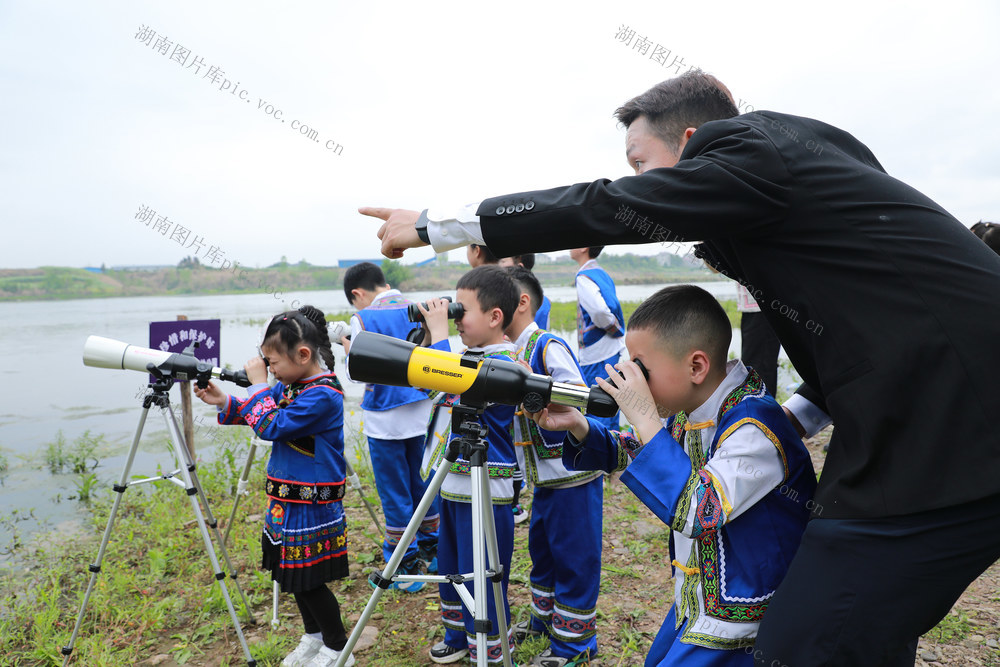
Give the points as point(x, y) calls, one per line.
point(885, 304)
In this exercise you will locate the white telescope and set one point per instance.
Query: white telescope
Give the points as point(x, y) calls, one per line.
point(101, 352)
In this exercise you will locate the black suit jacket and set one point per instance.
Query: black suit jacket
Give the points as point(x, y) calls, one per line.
point(887, 305)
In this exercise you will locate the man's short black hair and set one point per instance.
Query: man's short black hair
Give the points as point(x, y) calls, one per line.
point(488, 256)
point(981, 227)
point(686, 318)
point(364, 275)
point(992, 238)
point(494, 288)
point(528, 284)
point(594, 251)
point(672, 106)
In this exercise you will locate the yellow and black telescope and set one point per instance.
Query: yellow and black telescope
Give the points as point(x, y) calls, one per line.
point(379, 359)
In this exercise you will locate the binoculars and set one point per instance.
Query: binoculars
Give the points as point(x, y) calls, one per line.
point(455, 310)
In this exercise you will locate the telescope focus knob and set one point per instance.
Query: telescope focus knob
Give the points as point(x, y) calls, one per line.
point(533, 402)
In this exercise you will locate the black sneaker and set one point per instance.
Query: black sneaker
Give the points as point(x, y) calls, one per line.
point(442, 654)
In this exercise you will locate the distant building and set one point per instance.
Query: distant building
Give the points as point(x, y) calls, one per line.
point(347, 263)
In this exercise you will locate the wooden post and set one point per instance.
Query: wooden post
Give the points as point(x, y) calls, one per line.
point(186, 417)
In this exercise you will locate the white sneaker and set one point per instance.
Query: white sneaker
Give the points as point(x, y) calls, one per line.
point(327, 657)
point(307, 648)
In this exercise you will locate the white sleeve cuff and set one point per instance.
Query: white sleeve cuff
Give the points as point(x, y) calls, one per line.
point(454, 228)
point(813, 419)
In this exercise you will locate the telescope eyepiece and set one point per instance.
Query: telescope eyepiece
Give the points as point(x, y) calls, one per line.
point(455, 310)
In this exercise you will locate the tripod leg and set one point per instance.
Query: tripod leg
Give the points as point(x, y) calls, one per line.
point(274, 606)
point(383, 580)
point(192, 470)
point(355, 483)
point(193, 489)
point(95, 568)
point(481, 616)
point(493, 552)
point(241, 488)
point(485, 542)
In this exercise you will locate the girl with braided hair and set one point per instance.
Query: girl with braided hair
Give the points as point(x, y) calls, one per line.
point(304, 541)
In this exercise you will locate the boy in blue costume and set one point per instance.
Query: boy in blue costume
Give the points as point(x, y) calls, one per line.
point(726, 472)
point(600, 323)
point(489, 297)
point(395, 423)
point(564, 538)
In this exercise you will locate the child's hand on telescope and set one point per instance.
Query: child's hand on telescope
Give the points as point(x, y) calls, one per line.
point(211, 394)
point(562, 418)
point(435, 318)
point(633, 397)
point(256, 370)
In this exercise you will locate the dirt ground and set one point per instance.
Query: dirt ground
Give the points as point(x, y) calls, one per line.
point(636, 594)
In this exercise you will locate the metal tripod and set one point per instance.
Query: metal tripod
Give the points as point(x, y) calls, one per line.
point(160, 397)
point(473, 446)
point(241, 490)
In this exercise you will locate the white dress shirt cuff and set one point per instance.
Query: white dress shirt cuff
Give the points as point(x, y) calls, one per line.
point(813, 419)
point(453, 228)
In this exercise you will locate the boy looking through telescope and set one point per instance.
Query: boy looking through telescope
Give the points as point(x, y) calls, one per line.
point(488, 297)
point(726, 472)
point(395, 423)
point(564, 536)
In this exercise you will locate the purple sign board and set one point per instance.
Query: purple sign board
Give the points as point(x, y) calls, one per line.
point(178, 335)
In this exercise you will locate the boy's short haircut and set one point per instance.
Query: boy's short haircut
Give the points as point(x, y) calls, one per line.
point(686, 318)
point(364, 275)
point(526, 260)
point(527, 283)
point(488, 256)
point(494, 288)
point(594, 251)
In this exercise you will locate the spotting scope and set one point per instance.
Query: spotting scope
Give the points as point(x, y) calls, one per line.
point(101, 352)
point(379, 359)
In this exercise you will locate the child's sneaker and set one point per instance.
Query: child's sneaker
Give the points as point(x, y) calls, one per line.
point(522, 631)
point(327, 657)
point(307, 648)
point(412, 566)
point(442, 654)
point(546, 659)
point(428, 554)
point(520, 514)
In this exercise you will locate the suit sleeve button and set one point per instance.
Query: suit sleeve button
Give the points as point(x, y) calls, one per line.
point(519, 208)
point(500, 210)
point(530, 205)
point(510, 208)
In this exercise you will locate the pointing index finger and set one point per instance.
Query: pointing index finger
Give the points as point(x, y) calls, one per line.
point(376, 212)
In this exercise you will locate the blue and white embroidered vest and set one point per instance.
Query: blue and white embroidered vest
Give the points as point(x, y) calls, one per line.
point(739, 589)
point(589, 333)
point(388, 317)
point(497, 419)
point(539, 451)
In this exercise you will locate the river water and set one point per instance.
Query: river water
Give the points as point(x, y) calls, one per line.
point(47, 390)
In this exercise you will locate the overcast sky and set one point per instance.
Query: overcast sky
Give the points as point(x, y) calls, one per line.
point(432, 103)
